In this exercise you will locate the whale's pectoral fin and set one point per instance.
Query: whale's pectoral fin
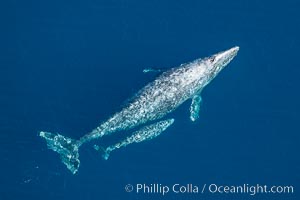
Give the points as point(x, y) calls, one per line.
point(195, 107)
point(143, 134)
point(155, 70)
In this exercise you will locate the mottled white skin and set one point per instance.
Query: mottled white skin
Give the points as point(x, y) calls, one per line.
point(164, 94)
point(143, 134)
point(153, 102)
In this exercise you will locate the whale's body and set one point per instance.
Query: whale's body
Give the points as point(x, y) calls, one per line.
point(155, 100)
point(151, 103)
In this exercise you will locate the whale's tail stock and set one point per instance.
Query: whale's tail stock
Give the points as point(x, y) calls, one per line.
point(66, 147)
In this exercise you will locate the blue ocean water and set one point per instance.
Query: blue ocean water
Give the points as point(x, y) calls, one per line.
point(65, 66)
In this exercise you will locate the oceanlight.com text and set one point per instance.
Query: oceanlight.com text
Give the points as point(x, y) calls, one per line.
point(247, 189)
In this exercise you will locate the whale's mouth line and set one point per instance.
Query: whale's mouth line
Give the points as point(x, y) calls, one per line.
point(224, 58)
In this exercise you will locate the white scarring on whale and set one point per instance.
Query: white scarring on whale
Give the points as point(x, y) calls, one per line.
point(151, 103)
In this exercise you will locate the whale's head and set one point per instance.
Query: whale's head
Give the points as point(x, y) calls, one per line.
point(194, 76)
point(215, 63)
point(208, 68)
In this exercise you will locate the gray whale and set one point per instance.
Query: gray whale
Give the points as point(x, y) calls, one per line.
point(150, 104)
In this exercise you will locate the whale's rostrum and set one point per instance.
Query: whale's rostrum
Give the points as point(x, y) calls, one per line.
point(152, 103)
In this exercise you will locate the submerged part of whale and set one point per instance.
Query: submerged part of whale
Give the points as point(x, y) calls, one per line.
point(145, 133)
point(153, 102)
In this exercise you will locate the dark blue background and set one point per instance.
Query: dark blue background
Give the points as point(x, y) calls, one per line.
point(65, 66)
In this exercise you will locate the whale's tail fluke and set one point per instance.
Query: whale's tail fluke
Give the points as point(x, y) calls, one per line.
point(66, 147)
point(105, 152)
